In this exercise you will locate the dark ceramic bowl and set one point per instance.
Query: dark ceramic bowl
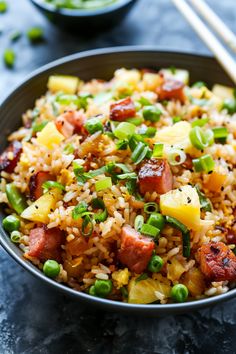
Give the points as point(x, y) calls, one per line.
point(85, 21)
point(101, 64)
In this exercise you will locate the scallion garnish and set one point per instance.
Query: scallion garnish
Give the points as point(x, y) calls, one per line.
point(199, 122)
point(176, 119)
point(14, 36)
point(204, 163)
point(139, 153)
point(103, 184)
point(83, 100)
point(138, 222)
point(150, 207)
point(147, 132)
point(220, 134)
point(158, 150)
point(38, 127)
point(141, 277)
point(204, 201)
point(201, 139)
point(93, 125)
point(87, 226)
point(185, 234)
point(176, 156)
point(149, 230)
point(68, 149)
point(79, 210)
point(98, 203)
point(124, 130)
point(67, 99)
point(52, 184)
point(135, 120)
point(130, 175)
point(79, 173)
point(122, 144)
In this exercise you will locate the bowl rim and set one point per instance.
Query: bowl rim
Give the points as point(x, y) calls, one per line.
point(83, 13)
point(109, 304)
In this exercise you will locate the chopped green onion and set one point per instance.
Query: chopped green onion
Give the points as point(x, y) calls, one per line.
point(157, 220)
point(3, 6)
point(122, 144)
point(220, 134)
point(87, 226)
point(185, 234)
point(67, 99)
point(144, 101)
point(139, 153)
point(94, 173)
point(103, 184)
point(79, 210)
point(83, 100)
point(172, 69)
point(204, 163)
point(149, 230)
point(68, 149)
point(150, 207)
point(93, 125)
point(138, 222)
point(39, 127)
point(147, 132)
point(131, 186)
point(98, 203)
point(124, 130)
point(124, 292)
point(136, 120)
point(130, 175)
point(15, 198)
point(141, 277)
point(158, 150)
point(9, 57)
point(15, 236)
point(152, 113)
point(230, 105)
point(176, 119)
point(199, 84)
point(204, 201)
point(103, 97)
point(52, 184)
point(35, 34)
point(176, 156)
point(200, 122)
point(14, 36)
point(79, 173)
point(201, 139)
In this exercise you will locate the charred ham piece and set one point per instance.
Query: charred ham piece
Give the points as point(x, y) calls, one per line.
point(136, 250)
point(36, 184)
point(155, 175)
point(122, 109)
point(10, 157)
point(71, 122)
point(217, 262)
point(45, 243)
point(171, 90)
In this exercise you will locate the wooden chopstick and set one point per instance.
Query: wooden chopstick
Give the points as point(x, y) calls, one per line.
point(221, 54)
point(216, 23)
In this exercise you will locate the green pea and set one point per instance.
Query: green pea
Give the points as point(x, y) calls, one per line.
point(11, 223)
point(103, 287)
point(230, 105)
point(152, 113)
point(51, 268)
point(179, 293)
point(157, 220)
point(155, 264)
point(15, 236)
point(92, 290)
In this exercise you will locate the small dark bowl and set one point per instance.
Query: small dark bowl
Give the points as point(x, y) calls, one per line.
point(86, 20)
point(101, 64)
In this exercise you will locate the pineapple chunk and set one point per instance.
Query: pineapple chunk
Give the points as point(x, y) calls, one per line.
point(67, 84)
point(121, 277)
point(39, 210)
point(223, 92)
point(176, 74)
point(177, 135)
point(182, 204)
point(194, 280)
point(151, 81)
point(175, 269)
point(216, 179)
point(143, 292)
point(129, 77)
point(50, 136)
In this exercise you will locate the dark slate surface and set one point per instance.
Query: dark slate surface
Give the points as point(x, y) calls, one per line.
point(33, 318)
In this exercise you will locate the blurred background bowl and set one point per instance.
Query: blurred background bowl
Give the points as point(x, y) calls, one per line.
point(86, 20)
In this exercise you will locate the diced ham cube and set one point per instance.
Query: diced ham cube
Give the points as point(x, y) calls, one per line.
point(71, 122)
point(123, 109)
point(10, 157)
point(155, 176)
point(36, 183)
point(136, 250)
point(45, 243)
point(171, 90)
point(217, 262)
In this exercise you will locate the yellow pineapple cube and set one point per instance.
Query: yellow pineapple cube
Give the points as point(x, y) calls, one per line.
point(223, 92)
point(182, 204)
point(39, 210)
point(65, 83)
point(147, 291)
point(121, 277)
point(50, 136)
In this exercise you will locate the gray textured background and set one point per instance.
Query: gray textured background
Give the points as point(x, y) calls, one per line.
point(33, 318)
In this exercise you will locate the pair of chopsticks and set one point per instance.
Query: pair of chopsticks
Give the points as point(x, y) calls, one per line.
point(221, 54)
